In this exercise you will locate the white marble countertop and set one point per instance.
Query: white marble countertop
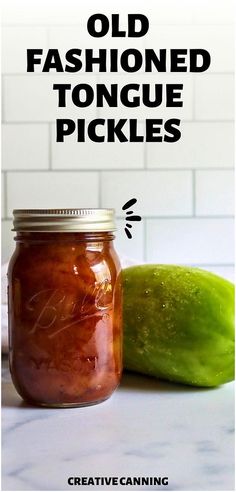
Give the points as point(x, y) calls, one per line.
point(147, 428)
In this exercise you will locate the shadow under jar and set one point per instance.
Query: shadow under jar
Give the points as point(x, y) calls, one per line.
point(65, 307)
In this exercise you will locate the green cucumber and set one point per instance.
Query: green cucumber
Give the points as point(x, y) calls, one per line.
point(179, 324)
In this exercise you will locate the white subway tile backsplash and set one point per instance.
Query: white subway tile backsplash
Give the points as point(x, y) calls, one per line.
point(15, 42)
point(42, 173)
point(214, 193)
point(25, 146)
point(217, 12)
point(158, 192)
point(132, 249)
point(190, 241)
point(164, 11)
point(7, 241)
point(214, 97)
point(52, 190)
point(44, 11)
point(66, 37)
point(90, 155)
point(38, 102)
point(158, 11)
point(201, 145)
point(169, 12)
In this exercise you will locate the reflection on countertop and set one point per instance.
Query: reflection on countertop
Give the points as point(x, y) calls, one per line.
point(148, 428)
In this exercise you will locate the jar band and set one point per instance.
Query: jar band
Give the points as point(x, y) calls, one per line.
point(64, 220)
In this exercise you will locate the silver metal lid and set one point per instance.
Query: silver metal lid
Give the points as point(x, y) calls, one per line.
point(64, 220)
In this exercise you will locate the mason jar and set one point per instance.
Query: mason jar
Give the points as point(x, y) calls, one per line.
point(65, 307)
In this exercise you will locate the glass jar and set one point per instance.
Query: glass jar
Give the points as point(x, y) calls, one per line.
point(65, 307)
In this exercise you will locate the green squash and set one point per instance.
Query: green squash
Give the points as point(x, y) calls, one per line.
point(179, 324)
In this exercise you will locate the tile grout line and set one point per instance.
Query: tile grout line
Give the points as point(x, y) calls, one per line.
point(126, 169)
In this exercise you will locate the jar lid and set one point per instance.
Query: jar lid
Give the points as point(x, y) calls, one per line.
point(64, 220)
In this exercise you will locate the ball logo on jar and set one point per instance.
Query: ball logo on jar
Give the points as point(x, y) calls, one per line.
point(58, 309)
